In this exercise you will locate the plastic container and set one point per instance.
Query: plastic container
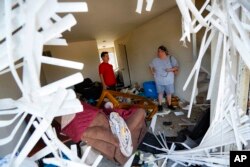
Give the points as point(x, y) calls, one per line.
point(150, 89)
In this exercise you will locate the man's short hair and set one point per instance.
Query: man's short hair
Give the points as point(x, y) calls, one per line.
point(163, 48)
point(103, 54)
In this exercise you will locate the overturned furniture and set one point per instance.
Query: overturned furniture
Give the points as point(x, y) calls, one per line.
point(92, 127)
point(137, 101)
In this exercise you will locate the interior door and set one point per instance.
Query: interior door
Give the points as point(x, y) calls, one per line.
point(124, 65)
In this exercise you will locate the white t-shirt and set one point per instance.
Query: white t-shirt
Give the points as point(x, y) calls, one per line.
point(162, 77)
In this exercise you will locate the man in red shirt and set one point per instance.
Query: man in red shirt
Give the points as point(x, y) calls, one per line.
point(106, 73)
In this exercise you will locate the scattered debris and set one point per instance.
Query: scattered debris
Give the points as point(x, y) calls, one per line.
point(187, 124)
point(185, 120)
point(186, 107)
point(154, 119)
point(179, 113)
point(130, 161)
point(165, 123)
point(42, 103)
point(127, 101)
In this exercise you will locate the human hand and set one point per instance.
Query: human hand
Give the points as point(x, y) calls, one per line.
point(169, 70)
point(152, 71)
point(105, 87)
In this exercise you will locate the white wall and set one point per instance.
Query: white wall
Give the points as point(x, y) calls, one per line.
point(8, 87)
point(84, 51)
point(144, 41)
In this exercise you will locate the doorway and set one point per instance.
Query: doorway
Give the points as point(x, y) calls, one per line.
point(124, 65)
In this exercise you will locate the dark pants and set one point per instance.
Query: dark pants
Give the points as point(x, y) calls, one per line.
point(112, 87)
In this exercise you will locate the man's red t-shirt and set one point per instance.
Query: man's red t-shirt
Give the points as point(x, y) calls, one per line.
point(107, 71)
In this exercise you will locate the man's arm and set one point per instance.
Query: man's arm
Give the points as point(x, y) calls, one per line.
point(101, 70)
point(103, 83)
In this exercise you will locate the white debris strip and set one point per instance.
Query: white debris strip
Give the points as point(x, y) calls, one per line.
point(221, 133)
point(29, 25)
point(230, 126)
point(26, 26)
point(154, 119)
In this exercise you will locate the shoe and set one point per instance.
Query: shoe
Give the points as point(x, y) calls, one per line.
point(171, 107)
point(165, 123)
point(120, 129)
point(160, 108)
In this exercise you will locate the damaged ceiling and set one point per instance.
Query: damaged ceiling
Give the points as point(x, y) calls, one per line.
point(112, 19)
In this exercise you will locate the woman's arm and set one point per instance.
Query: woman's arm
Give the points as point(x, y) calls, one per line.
point(152, 70)
point(173, 69)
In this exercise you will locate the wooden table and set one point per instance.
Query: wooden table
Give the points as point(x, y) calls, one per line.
point(137, 101)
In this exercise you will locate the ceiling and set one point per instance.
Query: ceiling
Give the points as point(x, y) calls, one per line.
point(107, 20)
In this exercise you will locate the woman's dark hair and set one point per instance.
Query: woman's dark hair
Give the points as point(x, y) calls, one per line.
point(163, 48)
point(103, 54)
